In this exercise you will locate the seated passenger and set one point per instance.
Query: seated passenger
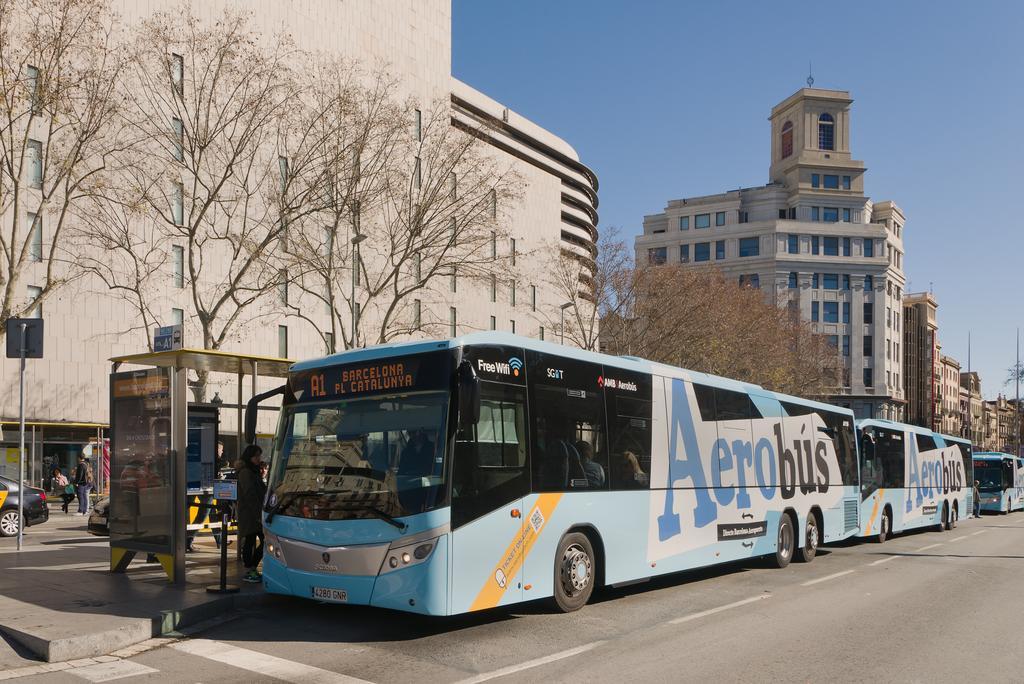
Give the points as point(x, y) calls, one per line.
point(417, 458)
point(592, 469)
point(629, 474)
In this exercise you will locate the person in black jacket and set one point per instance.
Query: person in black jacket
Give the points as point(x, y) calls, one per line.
point(83, 483)
point(251, 492)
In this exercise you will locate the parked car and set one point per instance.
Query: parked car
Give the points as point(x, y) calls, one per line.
point(35, 507)
point(98, 518)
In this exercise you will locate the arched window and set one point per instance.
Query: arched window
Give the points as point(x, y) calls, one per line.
point(787, 139)
point(826, 132)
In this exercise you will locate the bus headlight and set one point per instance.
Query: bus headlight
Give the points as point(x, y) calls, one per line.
point(274, 547)
point(410, 554)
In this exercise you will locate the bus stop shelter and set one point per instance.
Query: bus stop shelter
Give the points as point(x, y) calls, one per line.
point(149, 421)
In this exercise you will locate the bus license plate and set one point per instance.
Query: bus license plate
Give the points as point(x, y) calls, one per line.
point(330, 594)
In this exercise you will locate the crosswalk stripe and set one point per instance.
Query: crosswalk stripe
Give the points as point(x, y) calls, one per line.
point(262, 663)
point(106, 672)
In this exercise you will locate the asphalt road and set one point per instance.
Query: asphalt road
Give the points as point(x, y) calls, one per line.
point(924, 606)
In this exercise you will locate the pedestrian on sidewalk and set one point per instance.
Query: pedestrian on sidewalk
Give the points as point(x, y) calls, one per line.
point(83, 483)
point(62, 487)
point(251, 492)
point(977, 500)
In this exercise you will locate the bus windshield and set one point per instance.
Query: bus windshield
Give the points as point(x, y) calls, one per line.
point(989, 476)
point(379, 457)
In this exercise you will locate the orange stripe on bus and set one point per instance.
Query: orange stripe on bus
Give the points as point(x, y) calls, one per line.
point(874, 511)
point(512, 560)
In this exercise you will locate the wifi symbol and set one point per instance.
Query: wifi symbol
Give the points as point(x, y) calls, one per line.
point(516, 365)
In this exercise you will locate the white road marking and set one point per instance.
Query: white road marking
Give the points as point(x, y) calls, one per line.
point(106, 672)
point(930, 546)
point(826, 578)
point(486, 676)
point(959, 538)
point(261, 663)
point(883, 560)
point(978, 532)
point(719, 609)
point(68, 566)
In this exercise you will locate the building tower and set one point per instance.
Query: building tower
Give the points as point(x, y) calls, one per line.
point(812, 240)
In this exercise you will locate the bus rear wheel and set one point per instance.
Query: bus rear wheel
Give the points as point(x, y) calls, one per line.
point(806, 553)
point(574, 572)
point(951, 523)
point(785, 542)
point(944, 520)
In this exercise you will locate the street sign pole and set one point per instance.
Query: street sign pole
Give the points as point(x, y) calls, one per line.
point(21, 438)
point(24, 341)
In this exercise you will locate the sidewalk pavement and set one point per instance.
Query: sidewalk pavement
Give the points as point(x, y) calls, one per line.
point(58, 600)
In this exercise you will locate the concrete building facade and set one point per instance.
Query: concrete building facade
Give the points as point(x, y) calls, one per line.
point(812, 240)
point(949, 418)
point(68, 402)
point(921, 358)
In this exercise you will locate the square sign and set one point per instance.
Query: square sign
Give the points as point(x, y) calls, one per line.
point(33, 337)
point(167, 338)
point(225, 490)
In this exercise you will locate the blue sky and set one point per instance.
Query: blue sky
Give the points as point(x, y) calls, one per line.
point(671, 99)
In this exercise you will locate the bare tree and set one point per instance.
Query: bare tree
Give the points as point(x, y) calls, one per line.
point(424, 201)
point(124, 257)
point(592, 287)
point(700, 320)
point(59, 67)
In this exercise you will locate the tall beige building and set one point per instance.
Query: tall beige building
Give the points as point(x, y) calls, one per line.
point(67, 399)
point(812, 240)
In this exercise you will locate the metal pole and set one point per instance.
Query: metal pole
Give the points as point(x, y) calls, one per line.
point(561, 325)
point(21, 439)
point(241, 416)
point(1017, 403)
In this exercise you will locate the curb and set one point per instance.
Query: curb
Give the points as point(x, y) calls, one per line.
point(102, 642)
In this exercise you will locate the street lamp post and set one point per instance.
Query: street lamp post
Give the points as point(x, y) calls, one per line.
point(356, 239)
point(561, 324)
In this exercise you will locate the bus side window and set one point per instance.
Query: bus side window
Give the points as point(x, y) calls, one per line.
point(490, 465)
point(629, 429)
point(567, 411)
point(890, 445)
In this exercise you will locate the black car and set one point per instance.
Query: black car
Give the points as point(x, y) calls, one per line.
point(35, 507)
point(98, 519)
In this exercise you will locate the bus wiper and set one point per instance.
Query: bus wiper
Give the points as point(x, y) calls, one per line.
point(380, 514)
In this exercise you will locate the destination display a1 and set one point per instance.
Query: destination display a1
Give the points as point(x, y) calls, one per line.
point(393, 375)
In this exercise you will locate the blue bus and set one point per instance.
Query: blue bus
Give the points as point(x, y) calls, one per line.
point(911, 477)
point(1000, 481)
point(453, 476)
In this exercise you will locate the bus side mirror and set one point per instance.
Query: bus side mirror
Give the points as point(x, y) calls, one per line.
point(469, 395)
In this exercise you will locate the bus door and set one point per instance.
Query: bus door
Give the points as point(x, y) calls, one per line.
point(490, 477)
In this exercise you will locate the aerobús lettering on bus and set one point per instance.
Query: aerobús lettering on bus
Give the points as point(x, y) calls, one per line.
point(781, 465)
point(932, 474)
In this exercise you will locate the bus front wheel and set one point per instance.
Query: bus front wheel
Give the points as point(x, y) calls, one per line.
point(574, 572)
point(785, 542)
point(884, 527)
point(806, 553)
point(951, 522)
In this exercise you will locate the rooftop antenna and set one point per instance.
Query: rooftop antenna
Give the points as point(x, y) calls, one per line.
point(810, 74)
